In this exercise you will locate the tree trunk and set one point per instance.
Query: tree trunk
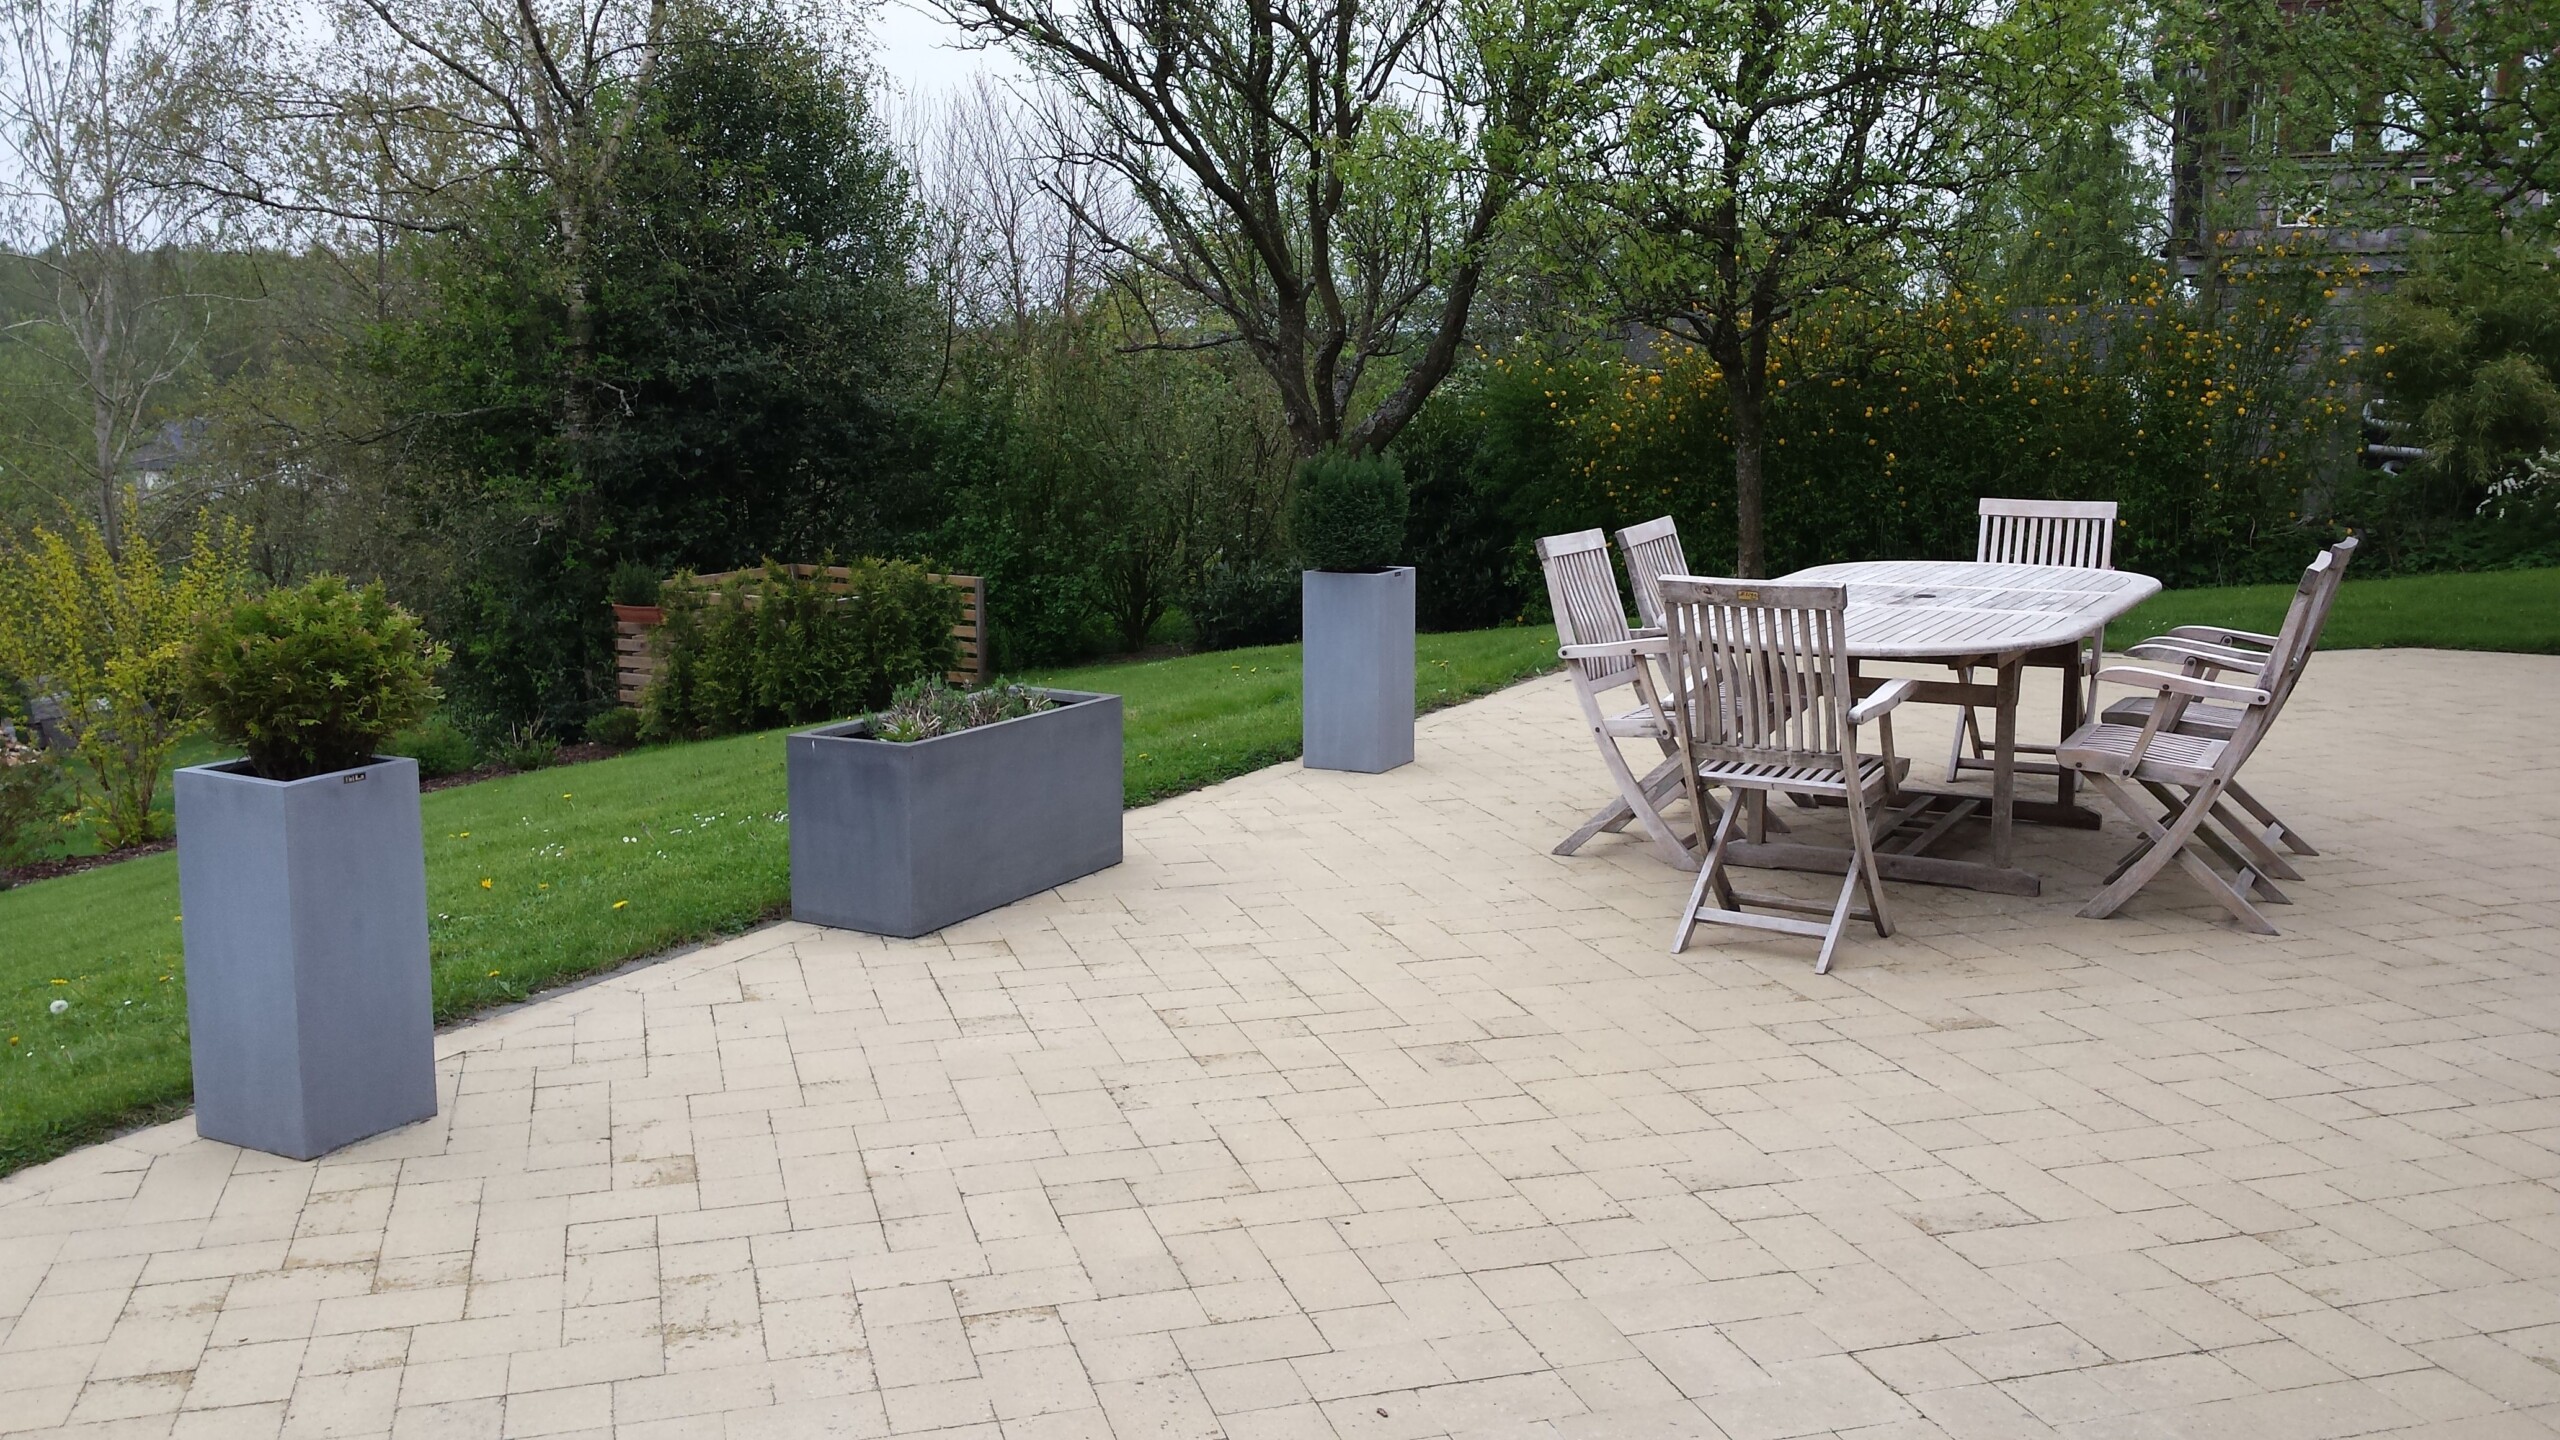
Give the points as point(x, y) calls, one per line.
point(102, 407)
point(1750, 559)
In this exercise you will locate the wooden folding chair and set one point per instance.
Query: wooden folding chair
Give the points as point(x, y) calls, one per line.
point(1601, 655)
point(1762, 700)
point(2171, 783)
point(1652, 550)
point(2079, 533)
point(2212, 651)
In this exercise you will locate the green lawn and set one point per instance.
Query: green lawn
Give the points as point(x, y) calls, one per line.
point(2489, 610)
point(536, 879)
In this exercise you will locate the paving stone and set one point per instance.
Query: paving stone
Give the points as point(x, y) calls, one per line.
point(1343, 1108)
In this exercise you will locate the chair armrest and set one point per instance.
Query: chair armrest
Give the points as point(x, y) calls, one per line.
point(2165, 682)
point(1634, 645)
point(2220, 635)
point(2212, 657)
point(1884, 698)
point(1649, 632)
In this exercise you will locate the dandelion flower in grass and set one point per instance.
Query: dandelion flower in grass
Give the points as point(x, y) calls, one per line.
point(61, 982)
point(493, 974)
point(619, 904)
point(486, 882)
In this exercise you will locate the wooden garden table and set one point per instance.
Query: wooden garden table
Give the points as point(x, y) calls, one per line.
point(1988, 616)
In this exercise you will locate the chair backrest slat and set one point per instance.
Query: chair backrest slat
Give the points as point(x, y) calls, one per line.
point(1583, 591)
point(1652, 550)
point(2078, 533)
point(2332, 575)
point(2292, 649)
point(1760, 670)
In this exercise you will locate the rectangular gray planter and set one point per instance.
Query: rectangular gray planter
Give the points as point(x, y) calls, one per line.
point(903, 839)
point(304, 907)
point(1358, 669)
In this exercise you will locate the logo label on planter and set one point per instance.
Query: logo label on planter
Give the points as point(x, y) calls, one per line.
point(350, 779)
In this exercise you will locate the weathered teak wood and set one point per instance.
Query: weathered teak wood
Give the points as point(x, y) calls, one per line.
point(1986, 615)
point(1762, 700)
point(2171, 783)
point(635, 656)
point(2221, 651)
point(1652, 550)
point(1602, 655)
point(2077, 533)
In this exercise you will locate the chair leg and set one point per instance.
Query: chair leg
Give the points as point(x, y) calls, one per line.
point(2275, 830)
point(1710, 877)
point(1636, 799)
point(2263, 857)
point(2174, 842)
point(2210, 836)
point(1964, 728)
point(2167, 842)
point(1839, 920)
point(1862, 835)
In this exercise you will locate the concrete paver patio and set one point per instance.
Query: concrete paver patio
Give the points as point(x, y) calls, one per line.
point(1343, 1108)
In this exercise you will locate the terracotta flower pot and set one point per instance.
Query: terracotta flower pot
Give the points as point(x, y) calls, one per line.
point(641, 614)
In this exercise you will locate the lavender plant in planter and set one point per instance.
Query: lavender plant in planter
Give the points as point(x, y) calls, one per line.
point(1356, 691)
point(951, 803)
point(302, 874)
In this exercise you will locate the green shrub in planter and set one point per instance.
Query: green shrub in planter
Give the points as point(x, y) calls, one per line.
point(312, 679)
point(1348, 512)
point(438, 745)
point(31, 803)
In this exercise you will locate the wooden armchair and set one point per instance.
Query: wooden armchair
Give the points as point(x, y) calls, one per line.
point(2079, 533)
point(2215, 652)
point(1602, 655)
point(2170, 782)
point(1762, 701)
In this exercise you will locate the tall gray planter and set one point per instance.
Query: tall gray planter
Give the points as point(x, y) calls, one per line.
point(904, 839)
point(305, 920)
point(1357, 694)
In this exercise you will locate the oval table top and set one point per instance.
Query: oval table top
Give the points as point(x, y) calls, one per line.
point(1947, 609)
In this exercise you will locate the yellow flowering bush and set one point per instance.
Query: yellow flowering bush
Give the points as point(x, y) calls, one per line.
point(2209, 422)
point(104, 630)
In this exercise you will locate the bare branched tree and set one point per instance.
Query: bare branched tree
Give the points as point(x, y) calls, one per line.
point(100, 103)
point(1004, 246)
point(1321, 179)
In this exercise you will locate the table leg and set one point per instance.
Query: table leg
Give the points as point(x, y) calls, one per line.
point(2004, 761)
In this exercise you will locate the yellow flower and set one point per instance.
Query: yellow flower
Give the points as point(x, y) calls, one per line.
point(618, 904)
point(493, 974)
point(484, 882)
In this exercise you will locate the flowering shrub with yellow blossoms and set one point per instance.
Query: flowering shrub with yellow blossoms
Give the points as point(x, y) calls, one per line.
point(2215, 426)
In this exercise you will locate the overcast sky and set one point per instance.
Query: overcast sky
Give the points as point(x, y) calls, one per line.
point(921, 53)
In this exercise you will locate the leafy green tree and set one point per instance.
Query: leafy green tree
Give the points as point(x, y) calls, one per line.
point(2466, 355)
point(2439, 113)
point(1750, 156)
point(754, 327)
